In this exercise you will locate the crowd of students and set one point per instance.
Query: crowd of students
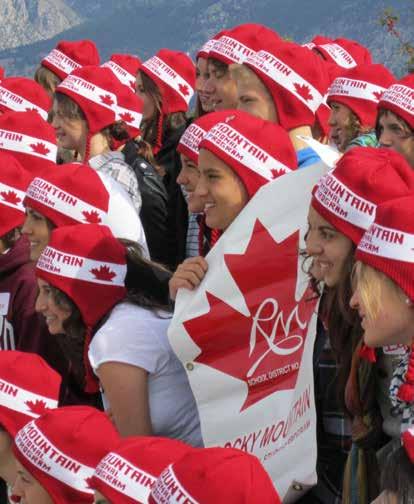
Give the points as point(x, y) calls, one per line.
point(112, 192)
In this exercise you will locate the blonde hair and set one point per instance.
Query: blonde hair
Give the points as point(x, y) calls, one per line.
point(244, 74)
point(47, 79)
point(371, 284)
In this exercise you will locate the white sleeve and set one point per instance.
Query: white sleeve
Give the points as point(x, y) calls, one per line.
point(129, 338)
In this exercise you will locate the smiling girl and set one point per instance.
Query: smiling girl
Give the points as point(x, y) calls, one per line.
point(229, 177)
point(342, 207)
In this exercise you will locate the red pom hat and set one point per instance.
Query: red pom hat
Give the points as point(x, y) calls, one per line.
point(21, 94)
point(258, 151)
point(343, 52)
point(71, 55)
point(29, 387)
point(205, 49)
point(62, 448)
point(388, 246)
point(194, 134)
point(348, 195)
point(237, 44)
point(360, 89)
point(129, 110)
point(72, 194)
point(399, 98)
point(86, 262)
point(174, 74)
point(219, 475)
point(296, 78)
point(127, 474)
point(408, 443)
point(125, 68)
point(30, 139)
point(14, 180)
point(96, 92)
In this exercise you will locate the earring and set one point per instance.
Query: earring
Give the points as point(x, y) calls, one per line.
point(408, 301)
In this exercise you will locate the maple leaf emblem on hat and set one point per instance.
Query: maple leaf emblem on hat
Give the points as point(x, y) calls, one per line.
point(378, 95)
point(263, 349)
point(89, 482)
point(132, 84)
point(107, 99)
point(184, 89)
point(126, 117)
point(40, 148)
point(31, 109)
point(277, 172)
point(38, 407)
point(304, 91)
point(92, 217)
point(10, 197)
point(103, 273)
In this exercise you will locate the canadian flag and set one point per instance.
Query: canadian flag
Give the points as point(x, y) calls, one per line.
point(246, 336)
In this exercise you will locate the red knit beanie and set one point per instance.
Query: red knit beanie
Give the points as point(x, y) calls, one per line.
point(215, 475)
point(399, 98)
point(127, 474)
point(360, 89)
point(62, 448)
point(72, 194)
point(30, 139)
point(408, 443)
point(86, 262)
point(14, 180)
point(174, 74)
point(237, 44)
point(257, 151)
point(363, 178)
point(29, 387)
point(129, 110)
point(70, 55)
point(95, 91)
point(296, 78)
point(190, 141)
point(125, 68)
point(22, 94)
point(343, 52)
point(388, 246)
point(205, 49)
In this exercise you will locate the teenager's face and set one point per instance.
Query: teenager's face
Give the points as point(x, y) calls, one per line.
point(202, 77)
point(70, 133)
point(221, 88)
point(54, 314)
point(394, 319)
point(188, 179)
point(395, 134)
point(222, 191)
point(339, 122)
point(28, 488)
point(100, 499)
point(328, 247)
point(254, 98)
point(36, 229)
point(148, 109)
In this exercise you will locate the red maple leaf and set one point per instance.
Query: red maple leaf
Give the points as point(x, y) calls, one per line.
point(127, 117)
point(32, 109)
point(277, 172)
point(89, 483)
point(184, 89)
point(10, 197)
point(132, 84)
point(103, 273)
point(92, 217)
point(378, 95)
point(106, 99)
point(304, 91)
point(40, 148)
point(38, 407)
point(265, 348)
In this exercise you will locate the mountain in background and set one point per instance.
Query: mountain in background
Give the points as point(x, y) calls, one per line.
point(143, 26)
